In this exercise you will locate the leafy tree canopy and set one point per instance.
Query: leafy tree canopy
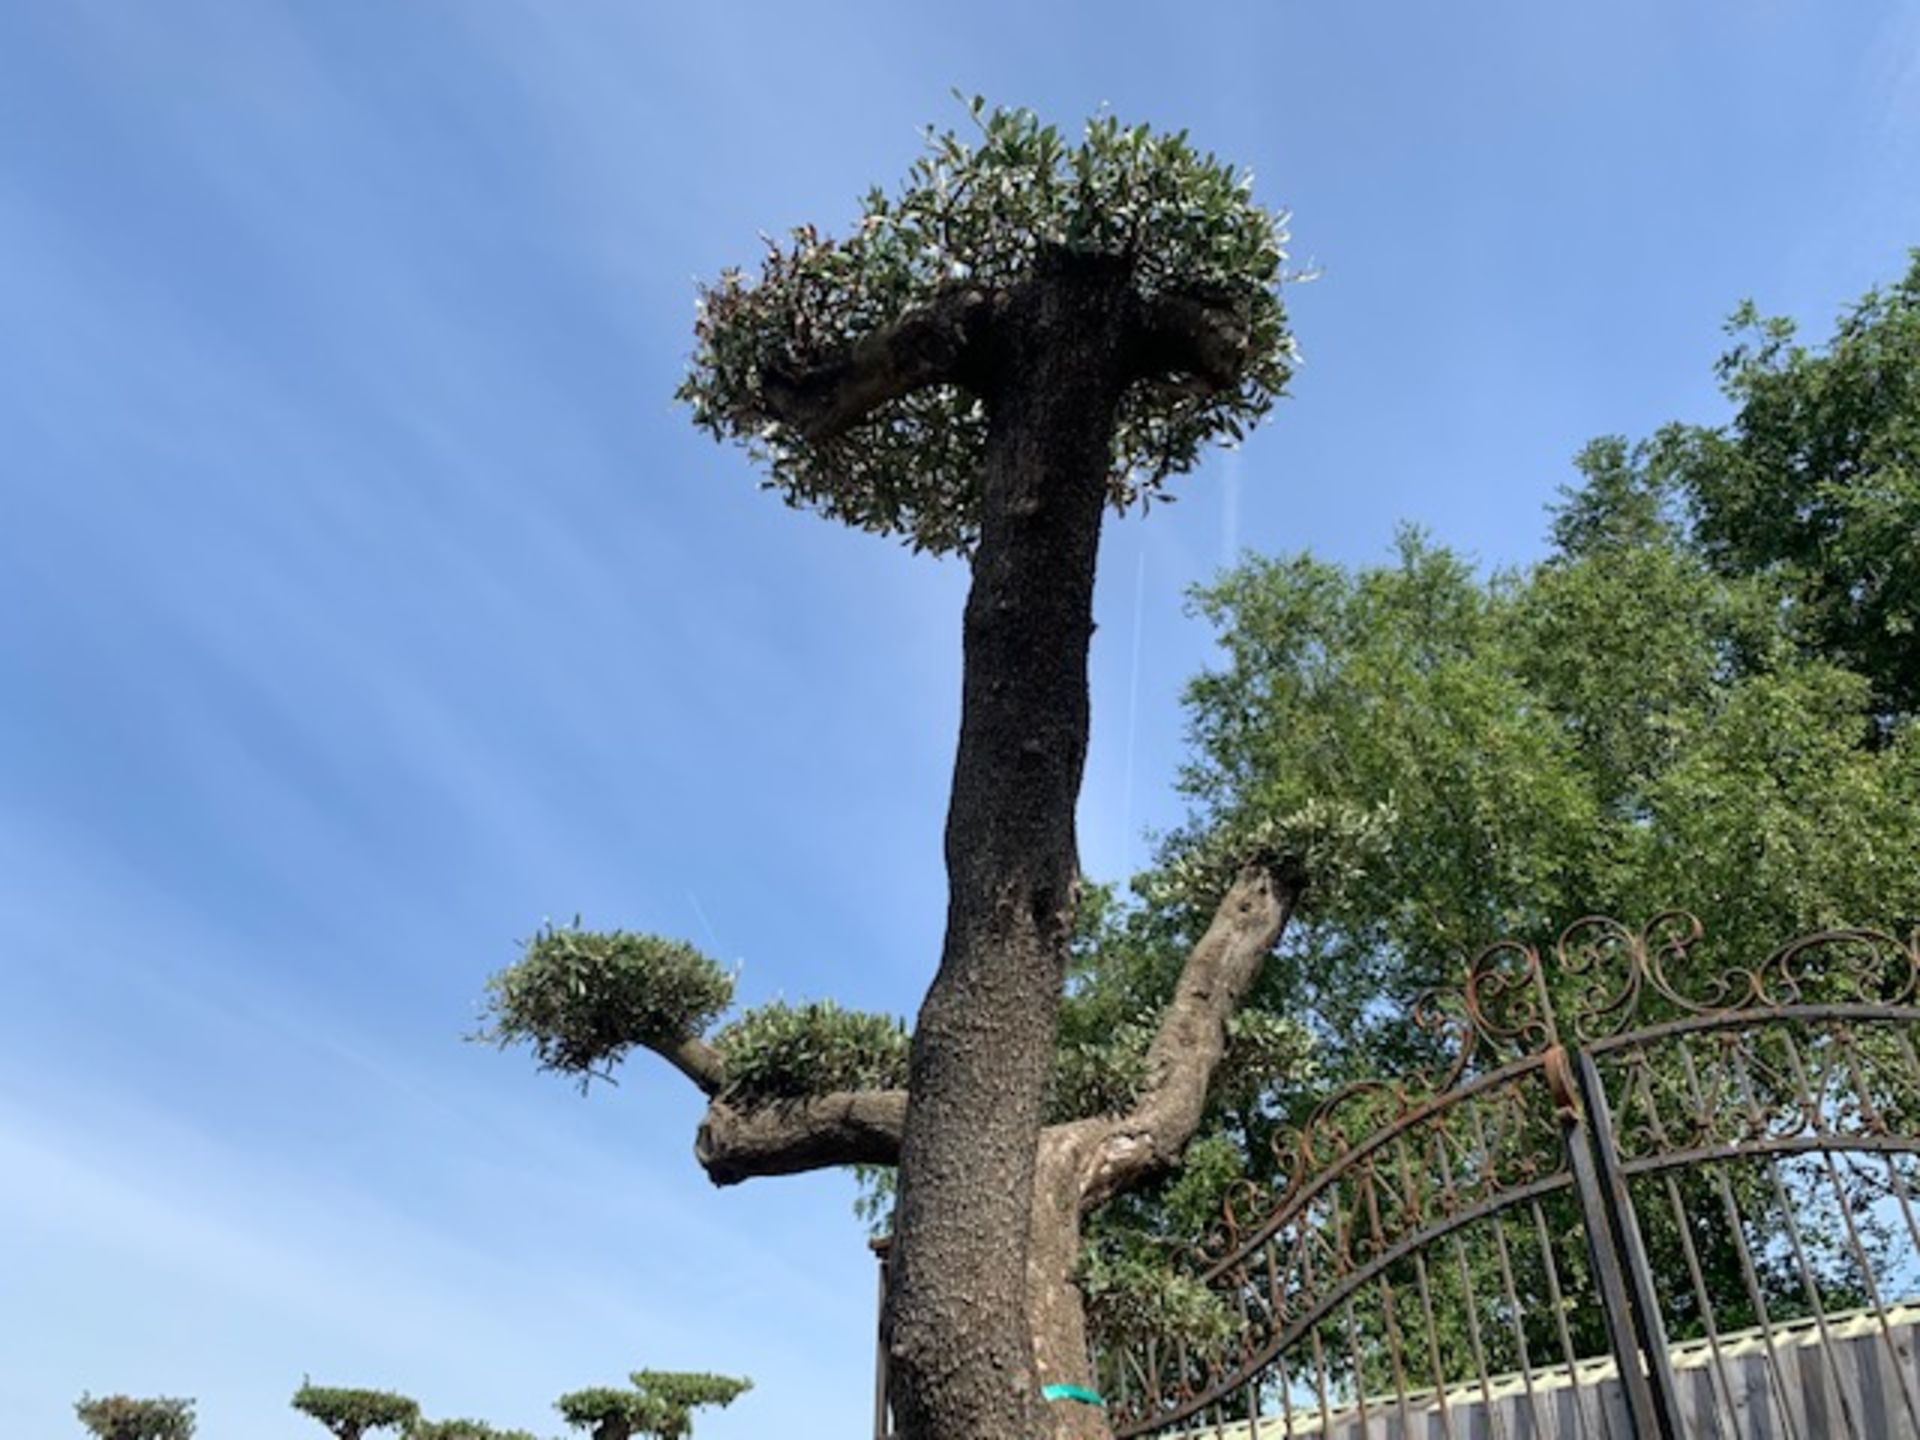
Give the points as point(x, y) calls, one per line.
point(1621, 730)
point(974, 218)
point(463, 1430)
point(582, 999)
point(660, 1404)
point(779, 1051)
point(350, 1413)
point(1814, 482)
point(685, 1390)
point(121, 1417)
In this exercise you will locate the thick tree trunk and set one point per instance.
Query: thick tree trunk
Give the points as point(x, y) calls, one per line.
point(957, 1322)
point(1056, 1309)
point(1083, 1164)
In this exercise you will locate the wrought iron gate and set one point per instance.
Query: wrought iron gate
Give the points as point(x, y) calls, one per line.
point(1649, 1196)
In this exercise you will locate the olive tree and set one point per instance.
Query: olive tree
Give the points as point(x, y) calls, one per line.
point(1029, 333)
point(349, 1414)
point(121, 1417)
point(463, 1430)
point(660, 1404)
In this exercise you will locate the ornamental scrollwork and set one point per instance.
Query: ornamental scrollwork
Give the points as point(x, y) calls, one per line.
point(1621, 979)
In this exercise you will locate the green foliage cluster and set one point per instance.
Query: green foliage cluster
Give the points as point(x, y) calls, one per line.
point(783, 1052)
point(584, 998)
point(1101, 1071)
point(122, 1417)
point(690, 1389)
point(1323, 845)
point(1267, 1053)
point(1817, 480)
point(1133, 1300)
point(1813, 486)
point(983, 214)
point(350, 1413)
point(1129, 1272)
point(1620, 729)
point(659, 1405)
point(463, 1430)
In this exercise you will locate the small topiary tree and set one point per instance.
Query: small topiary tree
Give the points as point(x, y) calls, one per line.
point(121, 1417)
point(679, 1392)
point(660, 1405)
point(463, 1430)
point(606, 1413)
point(349, 1414)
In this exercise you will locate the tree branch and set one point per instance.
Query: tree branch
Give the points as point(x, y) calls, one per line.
point(927, 346)
point(698, 1061)
point(852, 1127)
point(1200, 336)
point(1192, 1038)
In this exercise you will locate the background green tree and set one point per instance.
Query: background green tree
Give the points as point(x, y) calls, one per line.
point(1816, 481)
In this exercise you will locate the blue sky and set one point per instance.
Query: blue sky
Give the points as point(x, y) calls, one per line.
point(364, 599)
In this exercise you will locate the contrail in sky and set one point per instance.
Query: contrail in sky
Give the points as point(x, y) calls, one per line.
point(1133, 711)
point(706, 924)
point(1230, 508)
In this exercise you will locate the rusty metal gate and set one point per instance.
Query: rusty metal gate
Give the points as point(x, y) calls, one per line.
point(1651, 1194)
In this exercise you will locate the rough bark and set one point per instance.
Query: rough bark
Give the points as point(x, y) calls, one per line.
point(1076, 1167)
point(857, 1127)
point(1056, 1309)
point(1051, 359)
point(1197, 336)
point(929, 346)
point(1084, 1164)
point(739, 1140)
point(957, 1326)
point(1192, 1037)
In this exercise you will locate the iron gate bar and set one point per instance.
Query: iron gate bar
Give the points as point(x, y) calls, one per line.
point(1513, 1299)
point(1365, 1275)
point(1866, 1275)
point(1695, 1272)
point(1800, 1262)
point(1750, 1019)
point(1888, 1145)
point(1633, 1311)
point(1338, 1166)
point(1736, 1225)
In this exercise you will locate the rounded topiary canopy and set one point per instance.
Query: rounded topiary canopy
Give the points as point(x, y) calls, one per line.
point(350, 1413)
point(660, 1404)
point(463, 1430)
point(123, 1417)
point(582, 998)
point(972, 222)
